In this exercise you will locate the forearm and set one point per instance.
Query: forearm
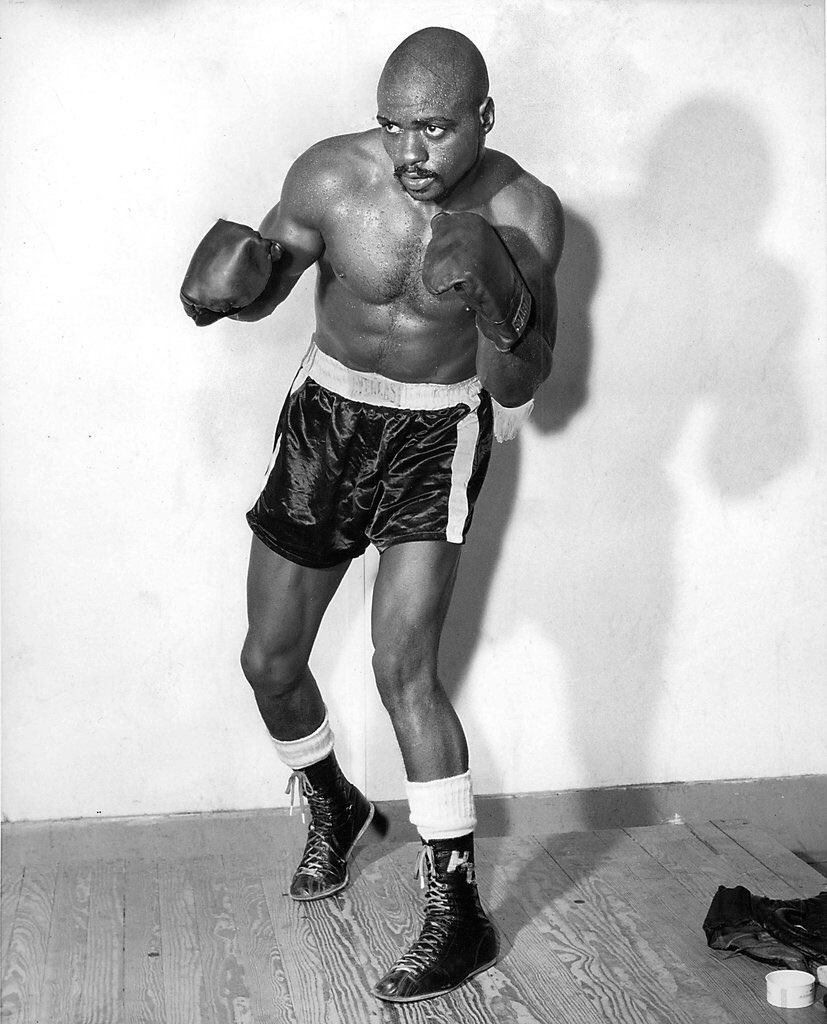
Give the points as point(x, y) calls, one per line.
point(512, 377)
point(514, 357)
point(275, 292)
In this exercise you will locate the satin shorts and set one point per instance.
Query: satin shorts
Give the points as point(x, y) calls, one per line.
point(360, 459)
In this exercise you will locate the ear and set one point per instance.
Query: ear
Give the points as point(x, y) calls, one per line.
point(487, 114)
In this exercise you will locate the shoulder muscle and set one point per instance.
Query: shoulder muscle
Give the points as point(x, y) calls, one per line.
point(537, 210)
point(310, 188)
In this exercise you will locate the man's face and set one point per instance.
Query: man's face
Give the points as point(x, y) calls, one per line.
point(433, 135)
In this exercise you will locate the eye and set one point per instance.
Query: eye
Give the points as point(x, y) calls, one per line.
point(391, 129)
point(434, 131)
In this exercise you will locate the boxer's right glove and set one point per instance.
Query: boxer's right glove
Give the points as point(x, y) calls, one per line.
point(229, 270)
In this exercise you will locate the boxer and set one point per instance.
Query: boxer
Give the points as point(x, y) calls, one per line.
point(435, 259)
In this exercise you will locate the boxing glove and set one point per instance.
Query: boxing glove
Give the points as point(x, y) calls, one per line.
point(229, 269)
point(466, 253)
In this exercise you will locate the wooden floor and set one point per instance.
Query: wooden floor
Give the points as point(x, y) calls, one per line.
point(164, 923)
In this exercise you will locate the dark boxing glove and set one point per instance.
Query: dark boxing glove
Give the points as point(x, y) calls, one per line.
point(465, 253)
point(229, 270)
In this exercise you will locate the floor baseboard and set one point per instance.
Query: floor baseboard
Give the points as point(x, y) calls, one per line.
point(790, 808)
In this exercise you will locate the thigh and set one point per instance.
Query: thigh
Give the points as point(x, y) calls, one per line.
point(435, 467)
point(286, 601)
point(311, 509)
point(411, 596)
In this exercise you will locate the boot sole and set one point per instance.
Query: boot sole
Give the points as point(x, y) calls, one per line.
point(441, 992)
point(332, 892)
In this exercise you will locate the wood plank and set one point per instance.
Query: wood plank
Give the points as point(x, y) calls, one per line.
point(184, 992)
point(26, 959)
point(144, 996)
point(101, 1000)
point(597, 935)
point(696, 857)
point(341, 958)
point(537, 979)
point(761, 846)
point(270, 1000)
point(11, 884)
point(700, 865)
point(383, 914)
point(226, 985)
point(741, 865)
point(66, 953)
point(306, 978)
point(716, 990)
point(595, 926)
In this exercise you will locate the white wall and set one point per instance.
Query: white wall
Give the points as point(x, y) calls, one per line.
point(643, 597)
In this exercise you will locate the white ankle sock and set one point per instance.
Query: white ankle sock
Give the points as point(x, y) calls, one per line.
point(442, 808)
point(308, 750)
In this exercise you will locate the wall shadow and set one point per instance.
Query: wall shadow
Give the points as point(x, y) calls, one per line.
point(707, 319)
point(566, 392)
point(557, 402)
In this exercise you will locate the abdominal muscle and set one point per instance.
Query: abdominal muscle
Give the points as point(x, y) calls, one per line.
point(395, 338)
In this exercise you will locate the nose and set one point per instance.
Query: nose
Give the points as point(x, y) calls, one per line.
point(412, 149)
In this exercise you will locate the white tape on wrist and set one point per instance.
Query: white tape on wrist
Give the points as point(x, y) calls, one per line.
point(508, 421)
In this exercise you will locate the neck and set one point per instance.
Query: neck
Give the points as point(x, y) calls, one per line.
point(466, 183)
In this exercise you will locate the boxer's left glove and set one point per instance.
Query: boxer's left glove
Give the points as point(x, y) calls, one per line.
point(229, 270)
point(465, 253)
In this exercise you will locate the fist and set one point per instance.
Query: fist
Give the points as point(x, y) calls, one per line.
point(229, 269)
point(465, 253)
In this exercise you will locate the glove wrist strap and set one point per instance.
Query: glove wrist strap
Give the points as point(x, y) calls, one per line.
point(514, 323)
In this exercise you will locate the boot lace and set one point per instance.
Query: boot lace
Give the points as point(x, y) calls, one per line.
point(297, 785)
point(440, 917)
point(318, 850)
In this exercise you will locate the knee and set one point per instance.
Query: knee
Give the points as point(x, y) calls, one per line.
point(271, 669)
point(403, 674)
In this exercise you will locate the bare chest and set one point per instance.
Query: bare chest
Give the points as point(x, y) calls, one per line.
point(374, 250)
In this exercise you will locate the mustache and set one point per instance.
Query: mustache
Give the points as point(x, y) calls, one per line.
point(412, 172)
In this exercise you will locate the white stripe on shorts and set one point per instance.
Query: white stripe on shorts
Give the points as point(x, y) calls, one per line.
point(462, 465)
point(298, 381)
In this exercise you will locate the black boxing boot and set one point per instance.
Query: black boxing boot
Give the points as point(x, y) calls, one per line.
point(339, 814)
point(457, 939)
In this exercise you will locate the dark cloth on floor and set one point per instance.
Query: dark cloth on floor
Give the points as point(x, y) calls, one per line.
point(785, 933)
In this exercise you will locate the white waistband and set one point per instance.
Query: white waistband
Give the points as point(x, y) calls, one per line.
point(374, 389)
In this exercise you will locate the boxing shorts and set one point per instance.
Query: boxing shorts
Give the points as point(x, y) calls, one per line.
point(361, 459)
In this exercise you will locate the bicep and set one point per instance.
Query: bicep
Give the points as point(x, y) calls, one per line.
point(294, 223)
point(302, 243)
point(295, 220)
point(301, 246)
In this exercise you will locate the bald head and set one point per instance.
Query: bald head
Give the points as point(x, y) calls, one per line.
point(437, 62)
point(434, 112)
